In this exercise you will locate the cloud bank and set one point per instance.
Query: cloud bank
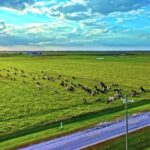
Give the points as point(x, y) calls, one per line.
point(100, 24)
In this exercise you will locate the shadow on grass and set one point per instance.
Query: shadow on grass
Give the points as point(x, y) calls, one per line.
point(82, 117)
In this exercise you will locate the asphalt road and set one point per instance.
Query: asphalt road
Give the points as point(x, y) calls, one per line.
point(97, 134)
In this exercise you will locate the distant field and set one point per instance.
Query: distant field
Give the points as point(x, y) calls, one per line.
point(32, 101)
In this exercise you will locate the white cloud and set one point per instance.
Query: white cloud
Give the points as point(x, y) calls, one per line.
point(82, 2)
point(119, 20)
point(75, 22)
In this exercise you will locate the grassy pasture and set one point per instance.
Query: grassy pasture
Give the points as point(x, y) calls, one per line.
point(23, 106)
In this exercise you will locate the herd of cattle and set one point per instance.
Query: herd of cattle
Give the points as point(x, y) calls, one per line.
point(71, 85)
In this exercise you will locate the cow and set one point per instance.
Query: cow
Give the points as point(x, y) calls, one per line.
point(44, 77)
point(84, 101)
point(98, 100)
point(24, 81)
point(71, 89)
point(34, 78)
point(25, 76)
point(98, 90)
point(134, 93)
point(59, 76)
point(108, 88)
point(22, 71)
point(85, 88)
point(80, 85)
point(73, 77)
point(115, 85)
point(8, 75)
point(38, 83)
point(14, 79)
point(66, 80)
point(95, 87)
point(49, 78)
point(142, 89)
point(110, 99)
point(104, 91)
point(118, 95)
point(15, 69)
point(93, 93)
point(46, 86)
point(73, 84)
point(102, 85)
point(55, 91)
point(62, 83)
point(118, 90)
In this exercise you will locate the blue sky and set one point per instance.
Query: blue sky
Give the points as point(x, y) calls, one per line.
point(74, 24)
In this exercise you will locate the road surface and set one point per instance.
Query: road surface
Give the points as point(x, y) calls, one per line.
point(97, 134)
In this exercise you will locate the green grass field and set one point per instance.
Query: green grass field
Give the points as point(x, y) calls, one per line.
point(28, 109)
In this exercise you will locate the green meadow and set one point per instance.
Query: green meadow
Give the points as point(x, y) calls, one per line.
point(32, 105)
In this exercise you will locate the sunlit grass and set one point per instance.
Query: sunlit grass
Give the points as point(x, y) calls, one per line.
point(24, 106)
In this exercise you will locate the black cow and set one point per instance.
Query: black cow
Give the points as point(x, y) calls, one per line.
point(66, 80)
point(49, 78)
point(62, 83)
point(38, 83)
point(55, 91)
point(95, 87)
point(102, 84)
point(85, 88)
point(73, 77)
point(98, 90)
point(98, 100)
point(25, 76)
point(71, 89)
point(80, 85)
point(84, 101)
point(73, 84)
point(8, 75)
point(142, 89)
point(24, 81)
point(59, 76)
point(22, 71)
point(44, 77)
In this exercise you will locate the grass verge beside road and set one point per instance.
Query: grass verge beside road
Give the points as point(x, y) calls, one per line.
point(137, 140)
point(69, 127)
